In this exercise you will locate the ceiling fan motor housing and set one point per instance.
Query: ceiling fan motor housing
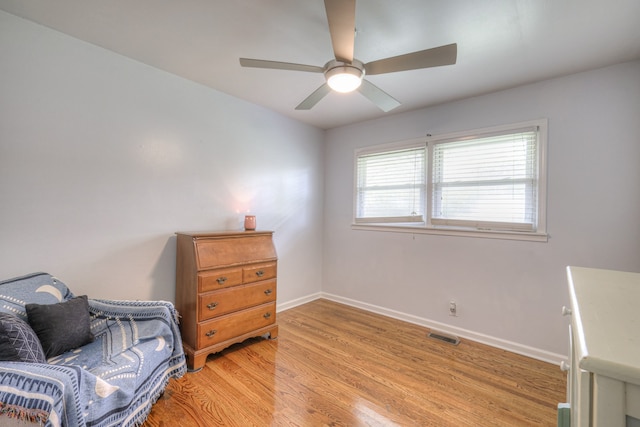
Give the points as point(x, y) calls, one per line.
point(344, 77)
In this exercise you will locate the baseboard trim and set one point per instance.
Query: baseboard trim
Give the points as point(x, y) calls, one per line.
point(513, 347)
point(298, 301)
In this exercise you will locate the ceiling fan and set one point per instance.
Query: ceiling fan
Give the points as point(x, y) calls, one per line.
point(345, 73)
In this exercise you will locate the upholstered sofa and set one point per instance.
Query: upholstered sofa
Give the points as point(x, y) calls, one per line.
point(69, 360)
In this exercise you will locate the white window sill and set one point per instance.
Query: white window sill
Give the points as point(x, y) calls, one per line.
point(449, 231)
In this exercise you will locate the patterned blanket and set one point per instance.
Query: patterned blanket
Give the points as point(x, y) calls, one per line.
point(113, 381)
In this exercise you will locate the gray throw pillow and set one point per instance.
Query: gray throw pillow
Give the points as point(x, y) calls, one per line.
point(18, 342)
point(61, 327)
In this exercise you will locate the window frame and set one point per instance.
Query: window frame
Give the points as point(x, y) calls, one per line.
point(387, 148)
point(427, 226)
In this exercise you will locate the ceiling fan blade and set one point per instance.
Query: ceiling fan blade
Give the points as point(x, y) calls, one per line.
point(341, 15)
point(383, 100)
point(314, 98)
point(259, 63)
point(436, 57)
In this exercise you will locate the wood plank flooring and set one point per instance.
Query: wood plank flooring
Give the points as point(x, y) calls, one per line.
point(334, 365)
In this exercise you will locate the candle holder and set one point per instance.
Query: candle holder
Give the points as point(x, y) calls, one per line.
point(249, 222)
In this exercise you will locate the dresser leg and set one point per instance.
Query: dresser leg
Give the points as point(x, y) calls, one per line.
point(273, 333)
point(198, 362)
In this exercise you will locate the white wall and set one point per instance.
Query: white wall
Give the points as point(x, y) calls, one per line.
point(103, 158)
point(505, 290)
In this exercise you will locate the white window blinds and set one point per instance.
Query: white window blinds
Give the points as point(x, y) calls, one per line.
point(487, 182)
point(390, 186)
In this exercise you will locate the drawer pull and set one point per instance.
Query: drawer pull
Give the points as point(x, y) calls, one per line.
point(221, 280)
point(259, 273)
point(268, 292)
point(212, 305)
point(211, 333)
point(267, 315)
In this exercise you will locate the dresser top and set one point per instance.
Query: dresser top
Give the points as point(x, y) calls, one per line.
point(222, 233)
point(605, 305)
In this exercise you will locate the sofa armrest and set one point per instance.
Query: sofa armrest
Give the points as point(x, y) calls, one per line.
point(103, 311)
point(40, 392)
point(131, 309)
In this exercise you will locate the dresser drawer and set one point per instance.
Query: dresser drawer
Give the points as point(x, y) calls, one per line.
point(222, 302)
point(218, 279)
point(232, 325)
point(259, 272)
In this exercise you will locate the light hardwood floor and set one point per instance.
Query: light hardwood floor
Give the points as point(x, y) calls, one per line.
point(334, 365)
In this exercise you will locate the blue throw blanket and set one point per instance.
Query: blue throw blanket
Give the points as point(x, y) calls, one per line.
point(112, 381)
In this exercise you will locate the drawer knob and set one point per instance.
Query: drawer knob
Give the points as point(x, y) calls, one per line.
point(211, 333)
point(267, 292)
point(259, 273)
point(212, 305)
point(267, 315)
point(566, 311)
point(221, 280)
point(564, 366)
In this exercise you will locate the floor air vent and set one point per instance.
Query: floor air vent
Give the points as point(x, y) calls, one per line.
point(442, 336)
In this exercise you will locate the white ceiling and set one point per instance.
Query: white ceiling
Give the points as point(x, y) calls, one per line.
point(501, 44)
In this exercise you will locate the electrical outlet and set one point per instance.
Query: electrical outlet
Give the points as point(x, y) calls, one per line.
point(453, 308)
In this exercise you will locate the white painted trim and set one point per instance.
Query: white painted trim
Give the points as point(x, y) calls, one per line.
point(443, 231)
point(513, 347)
point(298, 301)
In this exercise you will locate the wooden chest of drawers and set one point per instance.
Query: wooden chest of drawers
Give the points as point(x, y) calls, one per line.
point(225, 290)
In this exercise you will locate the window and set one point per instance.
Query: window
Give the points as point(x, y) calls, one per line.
point(391, 185)
point(486, 181)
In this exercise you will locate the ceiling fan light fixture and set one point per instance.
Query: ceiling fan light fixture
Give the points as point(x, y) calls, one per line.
point(344, 78)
